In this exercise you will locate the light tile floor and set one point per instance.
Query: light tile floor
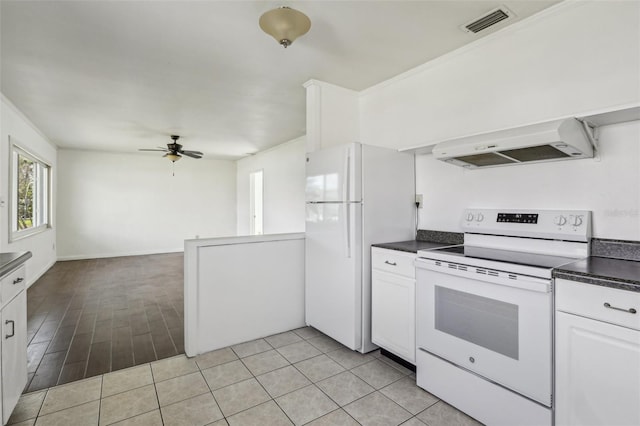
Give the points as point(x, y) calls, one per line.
point(298, 377)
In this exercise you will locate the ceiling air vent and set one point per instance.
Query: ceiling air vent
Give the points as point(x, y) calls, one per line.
point(491, 18)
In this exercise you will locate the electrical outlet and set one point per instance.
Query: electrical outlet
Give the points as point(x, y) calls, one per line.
point(419, 200)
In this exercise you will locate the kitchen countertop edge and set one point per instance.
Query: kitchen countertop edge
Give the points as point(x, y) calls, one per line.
point(622, 274)
point(586, 278)
point(412, 246)
point(10, 261)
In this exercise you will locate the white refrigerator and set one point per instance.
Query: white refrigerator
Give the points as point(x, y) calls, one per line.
point(356, 195)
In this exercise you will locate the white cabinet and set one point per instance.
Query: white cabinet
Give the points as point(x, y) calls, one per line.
point(597, 355)
point(393, 307)
point(13, 341)
point(14, 353)
point(12, 284)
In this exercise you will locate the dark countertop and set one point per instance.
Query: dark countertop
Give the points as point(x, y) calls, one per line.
point(10, 261)
point(622, 274)
point(615, 273)
point(412, 246)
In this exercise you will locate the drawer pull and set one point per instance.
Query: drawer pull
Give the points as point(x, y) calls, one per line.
point(630, 310)
point(390, 263)
point(13, 328)
point(18, 280)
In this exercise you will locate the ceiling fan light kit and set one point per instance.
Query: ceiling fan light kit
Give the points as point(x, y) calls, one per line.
point(285, 24)
point(173, 157)
point(174, 151)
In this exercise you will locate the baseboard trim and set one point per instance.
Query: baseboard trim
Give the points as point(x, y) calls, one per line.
point(122, 254)
point(37, 276)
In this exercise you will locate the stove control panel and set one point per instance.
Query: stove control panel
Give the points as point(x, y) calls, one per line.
point(572, 225)
point(518, 217)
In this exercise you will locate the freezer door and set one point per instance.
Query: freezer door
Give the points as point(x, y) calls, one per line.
point(334, 174)
point(333, 277)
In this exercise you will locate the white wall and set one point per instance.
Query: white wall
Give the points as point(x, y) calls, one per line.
point(23, 133)
point(116, 204)
point(332, 115)
point(574, 58)
point(609, 186)
point(284, 186)
point(570, 60)
point(229, 302)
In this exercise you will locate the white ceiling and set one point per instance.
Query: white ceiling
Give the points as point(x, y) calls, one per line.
point(123, 75)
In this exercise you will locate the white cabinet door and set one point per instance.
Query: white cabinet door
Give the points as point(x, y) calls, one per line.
point(393, 314)
point(14, 353)
point(597, 373)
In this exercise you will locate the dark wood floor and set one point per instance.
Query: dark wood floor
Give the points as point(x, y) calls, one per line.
point(89, 317)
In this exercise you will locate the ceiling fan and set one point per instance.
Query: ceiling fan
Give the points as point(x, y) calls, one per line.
point(174, 150)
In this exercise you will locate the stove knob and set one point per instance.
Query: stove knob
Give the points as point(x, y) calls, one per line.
point(480, 217)
point(469, 217)
point(560, 220)
point(577, 221)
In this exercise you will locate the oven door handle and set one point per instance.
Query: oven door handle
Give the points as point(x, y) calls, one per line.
point(520, 282)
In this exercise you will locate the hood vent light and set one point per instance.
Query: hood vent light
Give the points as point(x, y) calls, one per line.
point(488, 20)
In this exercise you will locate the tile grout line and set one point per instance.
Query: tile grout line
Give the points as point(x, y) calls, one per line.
point(350, 371)
point(155, 389)
point(100, 400)
point(340, 407)
point(66, 355)
point(46, 391)
point(211, 391)
point(50, 341)
point(312, 383)
point(166, 326)
point(266, 391)
point(72, 338)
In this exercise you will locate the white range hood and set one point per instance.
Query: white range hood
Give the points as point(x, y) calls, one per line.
point(550, 141)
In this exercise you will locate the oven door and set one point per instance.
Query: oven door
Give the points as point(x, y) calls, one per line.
point(494, 324)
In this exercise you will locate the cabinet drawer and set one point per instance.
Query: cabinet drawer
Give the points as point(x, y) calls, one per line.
point(396, 262)
point(12, 284)
point(589, 300)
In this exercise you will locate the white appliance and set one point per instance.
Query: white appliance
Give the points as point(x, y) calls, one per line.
point(356, 195)
point(550, 141)
point(485, 312)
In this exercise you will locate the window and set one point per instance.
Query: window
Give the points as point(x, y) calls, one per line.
point(255, 203)
point(30, 188)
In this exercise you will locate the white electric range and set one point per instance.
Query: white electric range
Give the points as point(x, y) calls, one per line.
point(484, 312)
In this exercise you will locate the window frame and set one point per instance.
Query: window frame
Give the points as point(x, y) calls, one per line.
point(42, 201)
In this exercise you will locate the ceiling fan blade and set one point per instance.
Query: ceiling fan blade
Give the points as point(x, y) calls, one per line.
point(161, 150)
point(192, 154)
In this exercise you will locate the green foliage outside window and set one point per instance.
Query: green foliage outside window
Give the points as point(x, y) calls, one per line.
point(26, 182)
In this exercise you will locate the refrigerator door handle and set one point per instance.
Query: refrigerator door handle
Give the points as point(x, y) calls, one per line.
point(346, 177)
point(346, 228)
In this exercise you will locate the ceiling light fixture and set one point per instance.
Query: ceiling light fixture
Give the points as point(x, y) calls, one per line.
point(285, 24)
point(173, 157)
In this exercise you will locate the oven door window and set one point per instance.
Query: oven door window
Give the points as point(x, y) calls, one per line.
point(485, 322)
